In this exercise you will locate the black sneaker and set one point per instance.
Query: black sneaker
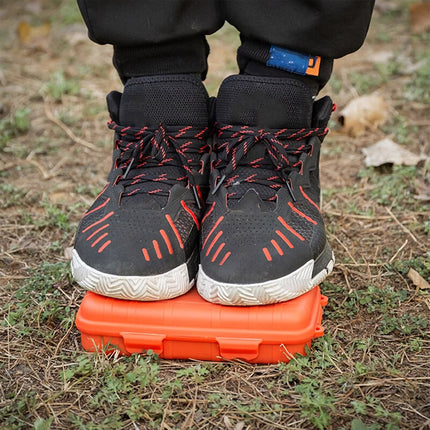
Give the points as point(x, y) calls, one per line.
point(263, 238)
point(139, 240)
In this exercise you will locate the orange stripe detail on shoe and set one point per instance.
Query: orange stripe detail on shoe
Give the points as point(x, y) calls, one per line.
point(282, 236)
point(267, 254)
point(282, 221)
point(212, 230)
point(145, 254)
point(99, 229)
point(193, 216)
point(213, 242)
point(277, 247)
point(157, 249)
point(167, 241)
point(218, 251)
point(98, 240)
point(102, 191)
point(97, 208)
point(308, 198)
point(225, 258)
point(208, 212)
point(98, 222)
point(107, 243)
point(175, 230)
point(301, 214)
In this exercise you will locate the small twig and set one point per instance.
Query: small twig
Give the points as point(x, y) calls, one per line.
point(58, 165)
point(345, 248)
point(398, 251)
point(189, 421)
point(345, 275)
point(418, 413)
point(9, 166)
point(35, 163)
point(62, 339)
point(67, 130)
point(401, 225)
point(360, 264)
point(346, 215)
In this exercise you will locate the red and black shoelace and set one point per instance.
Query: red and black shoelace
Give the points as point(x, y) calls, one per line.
point(234, 164)
point(154, 160)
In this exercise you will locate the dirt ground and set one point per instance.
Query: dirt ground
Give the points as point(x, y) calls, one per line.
point(370, 370)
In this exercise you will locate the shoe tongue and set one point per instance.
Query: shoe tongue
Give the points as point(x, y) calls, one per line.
point(174, 100)
point(264, 102)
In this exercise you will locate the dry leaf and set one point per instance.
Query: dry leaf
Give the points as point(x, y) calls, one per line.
point(228, 423)
point(419, 14)
point(363, 113)
point(418, 280)
point(29, 35)
point(388, 152)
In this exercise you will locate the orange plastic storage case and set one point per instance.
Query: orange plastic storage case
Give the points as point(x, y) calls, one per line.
point(188, 327)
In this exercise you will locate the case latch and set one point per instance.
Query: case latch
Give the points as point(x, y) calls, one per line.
point(231, 348)
point(137, 342)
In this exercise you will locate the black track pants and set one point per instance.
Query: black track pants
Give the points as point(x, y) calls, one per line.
point(168, 36)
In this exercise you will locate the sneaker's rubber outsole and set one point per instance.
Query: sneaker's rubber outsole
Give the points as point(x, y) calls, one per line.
point(143, 288)
point(274, 291)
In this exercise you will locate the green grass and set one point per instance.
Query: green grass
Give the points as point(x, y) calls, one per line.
point(14, 125)
point(402, 130)
point(11, 195)
point(60, 85)
point(393, 188)
point(417, 87)
point(38, 305)
point(368, 371)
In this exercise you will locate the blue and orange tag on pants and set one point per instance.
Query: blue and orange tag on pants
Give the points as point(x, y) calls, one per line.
point(294, 62)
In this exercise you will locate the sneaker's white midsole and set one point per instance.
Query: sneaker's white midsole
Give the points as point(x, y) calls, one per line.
point(274, 291)
point(144, 288)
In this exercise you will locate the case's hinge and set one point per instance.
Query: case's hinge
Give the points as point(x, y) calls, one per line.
point(138, 342)
point(231, 348)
